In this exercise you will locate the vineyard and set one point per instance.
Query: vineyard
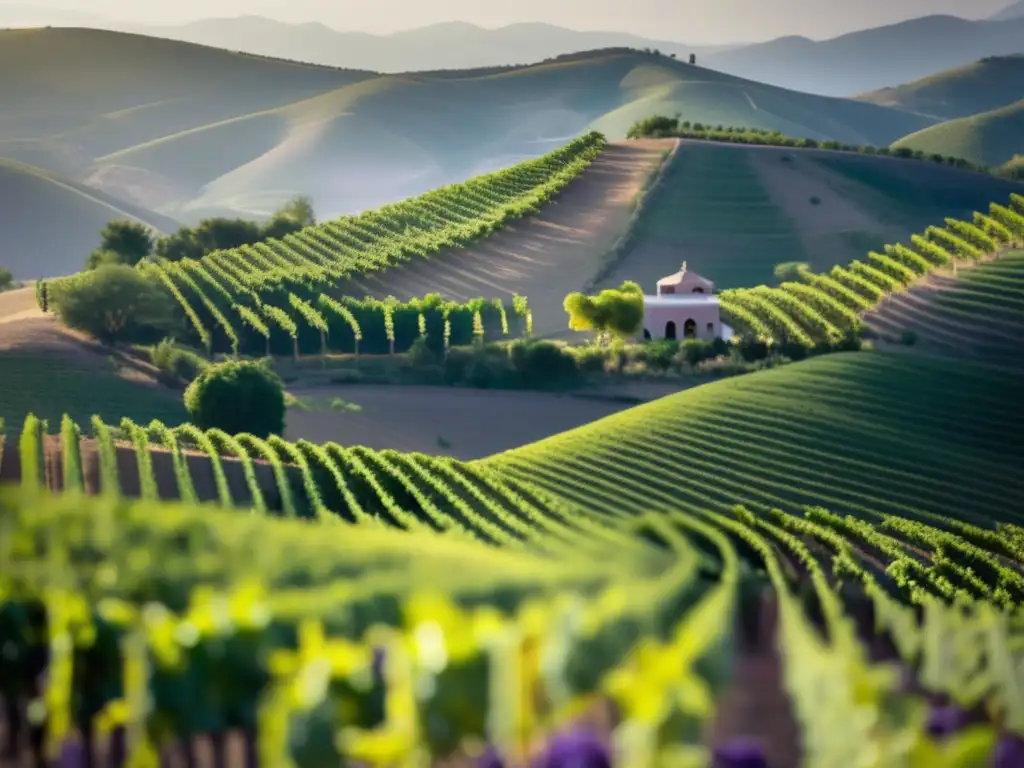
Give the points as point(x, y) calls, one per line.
point(978, 312)
point(281, 296)
point(819, 307)
point(419, 609)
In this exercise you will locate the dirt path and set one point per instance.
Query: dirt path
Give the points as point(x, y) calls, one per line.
point(543, 257)
point(19, 304)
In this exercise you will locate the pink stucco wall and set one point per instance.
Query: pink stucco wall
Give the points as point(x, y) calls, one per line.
point(657, 317)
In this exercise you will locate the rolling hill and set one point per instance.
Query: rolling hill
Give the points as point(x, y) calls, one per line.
point(50, 224)
point(990, 138)
point(981, 86)
point(188, 130)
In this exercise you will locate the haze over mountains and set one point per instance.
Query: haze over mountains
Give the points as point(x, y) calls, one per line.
point(853, 63)
point(100, 123)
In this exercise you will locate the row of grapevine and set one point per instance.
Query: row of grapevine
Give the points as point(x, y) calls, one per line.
point(820, 307)
point(226, 289)
point(650, 627)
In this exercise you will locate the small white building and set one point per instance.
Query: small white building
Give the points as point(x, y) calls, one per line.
point(685, 307)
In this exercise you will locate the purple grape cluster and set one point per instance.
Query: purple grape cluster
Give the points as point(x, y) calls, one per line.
point(575, 748)
point(945, 720)
point(741, 753)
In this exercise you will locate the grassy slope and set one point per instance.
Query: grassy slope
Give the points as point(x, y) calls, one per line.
point(862, 433)
point(185, 117)
point(990, 138)
point(979, 87)
point(734, 212)
point(50, 224)
point(978, 313)
point(915, 194)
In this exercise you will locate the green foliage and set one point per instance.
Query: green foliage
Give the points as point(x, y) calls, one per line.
point(237, 397)
point(790, 270)
point(617, 312)
point(117, 304)
point(665, 127)
point(218, 234)
point(122, 242)
point(6, 279)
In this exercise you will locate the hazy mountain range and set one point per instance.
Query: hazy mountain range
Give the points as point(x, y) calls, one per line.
point(854, 63)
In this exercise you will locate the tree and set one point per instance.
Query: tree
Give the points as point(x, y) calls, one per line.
point(117, 303)
point(615, 312)
point(789, 271)
point(103, 258)
point(291, 217)
point(132, 241)
point(237, 397)
point(693, 58)
point(6, 279)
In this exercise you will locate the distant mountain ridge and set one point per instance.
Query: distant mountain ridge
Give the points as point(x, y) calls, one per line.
point(852, 63)
point(856, 62)
point(873, 58)
point(1012, 11)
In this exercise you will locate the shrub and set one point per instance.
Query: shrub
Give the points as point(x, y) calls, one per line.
point(660, 354)
point(176, 365)
point(117, 304)
point(694, 352)
point(6, 279)
point(543, 364)
point(237, 396)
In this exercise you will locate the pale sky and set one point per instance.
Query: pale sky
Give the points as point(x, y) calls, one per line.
point(700, 22)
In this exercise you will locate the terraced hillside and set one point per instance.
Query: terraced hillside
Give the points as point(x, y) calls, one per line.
point(734, 212)
point(988, 138)
point(34, 199)
point(976, 313)
point(631, 521)
point(260, 131)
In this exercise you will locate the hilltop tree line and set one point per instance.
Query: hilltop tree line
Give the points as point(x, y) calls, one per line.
point(129, 242)
point(662, 127)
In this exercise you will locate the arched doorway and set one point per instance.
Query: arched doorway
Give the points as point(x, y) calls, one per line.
point(670, 330)
point(690, 329)
point(647, 335)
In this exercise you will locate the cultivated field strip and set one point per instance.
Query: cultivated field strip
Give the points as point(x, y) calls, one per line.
point(901, 289)
point(861, 433)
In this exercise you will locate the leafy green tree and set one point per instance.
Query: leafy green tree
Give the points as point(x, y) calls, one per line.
point(117, 303)
point(103, 258)
point(613, 312)
point(132, 241)
point(6, 279)
point(237, 396)
point(291, 217)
